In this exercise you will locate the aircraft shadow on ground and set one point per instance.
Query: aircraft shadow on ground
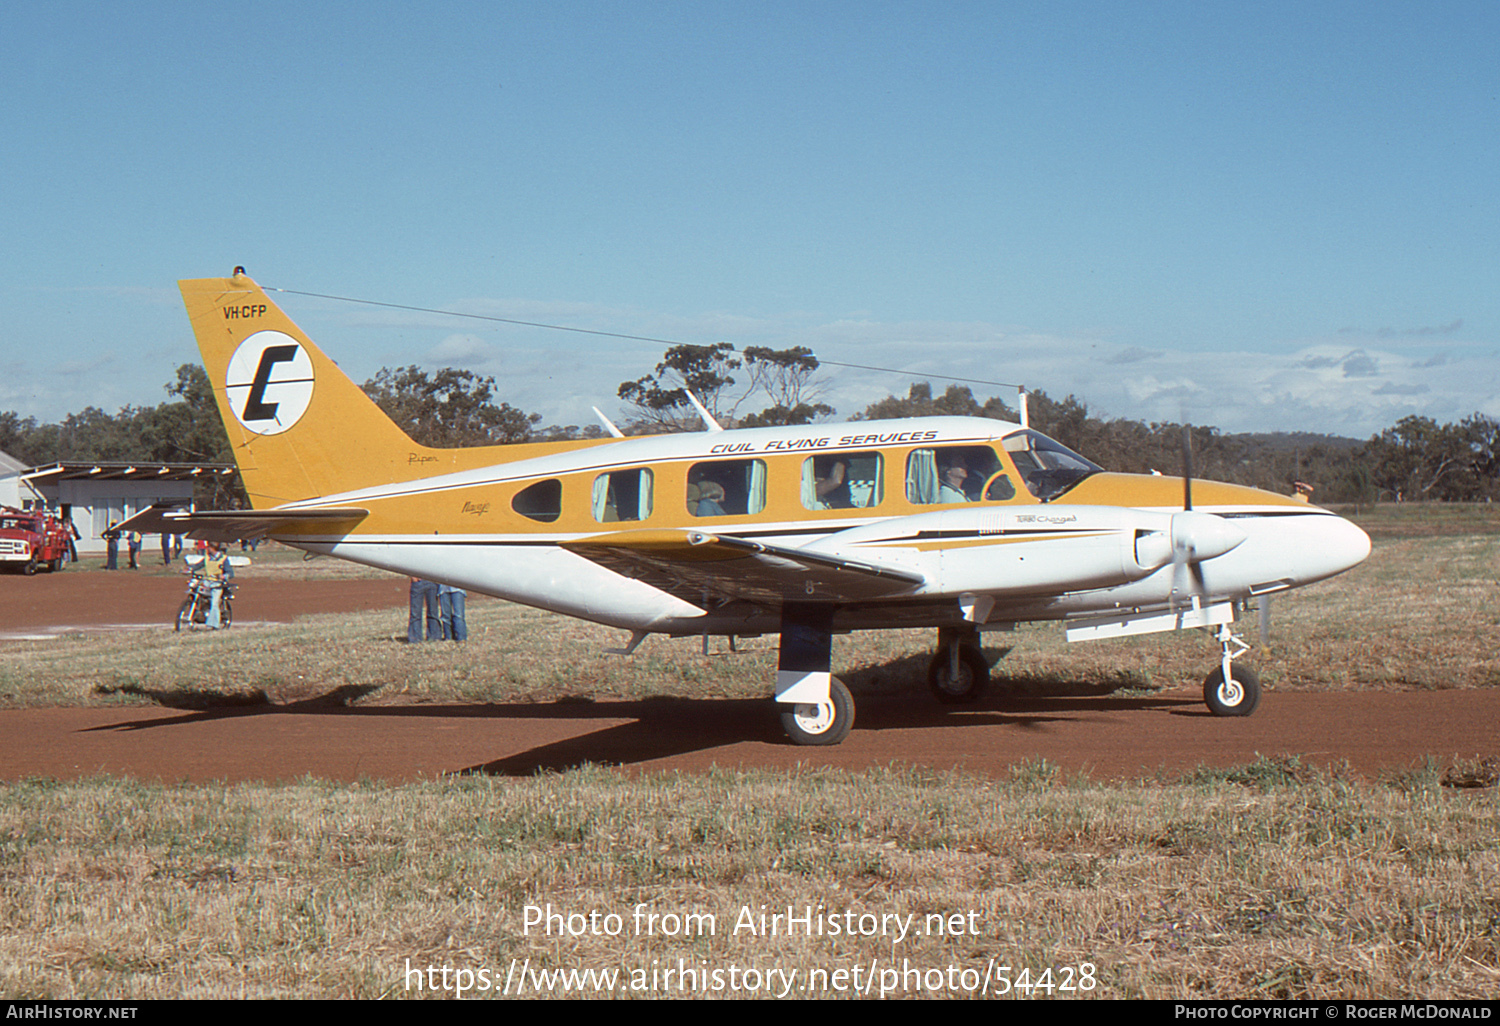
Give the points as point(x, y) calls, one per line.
point(659, 728)
point(663, 728)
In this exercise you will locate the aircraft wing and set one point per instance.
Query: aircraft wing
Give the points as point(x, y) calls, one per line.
point(693, 565)
point(234, 525)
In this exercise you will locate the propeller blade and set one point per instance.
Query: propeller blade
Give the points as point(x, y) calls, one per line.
point(1263, 608)
point(1187, 467)
point(1187, 576)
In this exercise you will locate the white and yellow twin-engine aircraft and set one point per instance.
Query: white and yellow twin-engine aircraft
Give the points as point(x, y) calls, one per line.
point(958, 523)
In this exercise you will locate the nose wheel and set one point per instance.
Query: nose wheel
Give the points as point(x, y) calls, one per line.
point(1231, 690)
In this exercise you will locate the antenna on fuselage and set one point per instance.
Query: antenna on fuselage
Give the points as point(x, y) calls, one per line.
point(709, 424)
point(608, 424)
point(1021, 401)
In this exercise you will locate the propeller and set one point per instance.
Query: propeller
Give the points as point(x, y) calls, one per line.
point(1191, 546)
point(1187, 468)
point(1182, 541)
point(1190, 538)
point(1196, 536)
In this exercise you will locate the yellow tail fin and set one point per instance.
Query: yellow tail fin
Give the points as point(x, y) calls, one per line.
point(299, 427)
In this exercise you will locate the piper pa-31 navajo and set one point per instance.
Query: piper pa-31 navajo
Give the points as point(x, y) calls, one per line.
point(963, 524)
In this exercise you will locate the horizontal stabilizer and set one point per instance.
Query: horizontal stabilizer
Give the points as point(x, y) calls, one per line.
point(236, 525)
point(693, 565)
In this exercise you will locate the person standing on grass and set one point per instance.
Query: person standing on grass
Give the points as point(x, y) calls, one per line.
point(424, 608)
point(451, 602)
point(133, 544)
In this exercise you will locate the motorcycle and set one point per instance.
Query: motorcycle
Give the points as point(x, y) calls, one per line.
point(199, 600)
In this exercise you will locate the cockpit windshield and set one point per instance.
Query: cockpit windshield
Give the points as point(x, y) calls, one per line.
point(1048, 468)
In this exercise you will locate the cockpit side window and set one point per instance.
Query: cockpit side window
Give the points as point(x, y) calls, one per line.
point(1048, 468)
point(956, 473)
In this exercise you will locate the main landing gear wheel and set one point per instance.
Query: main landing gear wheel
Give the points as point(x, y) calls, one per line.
point(1237, 696)
point(820, 723)
point(962, 683)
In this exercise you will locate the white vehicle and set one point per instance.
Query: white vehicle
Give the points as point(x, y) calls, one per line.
point(962, 524)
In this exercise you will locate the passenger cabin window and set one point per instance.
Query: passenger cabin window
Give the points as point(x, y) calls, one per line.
point(622, 495)
point(1048, 468)
point(846, 480)
point(726, 488)
point(541, 501)
point(956, 473)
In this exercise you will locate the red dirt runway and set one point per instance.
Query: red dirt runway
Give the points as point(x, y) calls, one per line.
point(1376, 733)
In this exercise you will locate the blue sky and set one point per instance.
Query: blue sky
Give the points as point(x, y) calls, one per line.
point(1263, 216)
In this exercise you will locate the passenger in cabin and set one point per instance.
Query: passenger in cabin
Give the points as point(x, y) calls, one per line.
point(710, 499)
point(832, 484)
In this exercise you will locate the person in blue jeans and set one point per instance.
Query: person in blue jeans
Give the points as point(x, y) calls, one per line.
point(451, 602)
point(424, 609)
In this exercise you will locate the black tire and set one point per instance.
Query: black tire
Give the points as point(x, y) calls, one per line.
point(226, 612)
point(973, 676)
point(1239, 697)
point(807, 723)
point(185, 614)
point(30, 567)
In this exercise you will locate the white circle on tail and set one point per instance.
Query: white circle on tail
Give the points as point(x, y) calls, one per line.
point(269, 382)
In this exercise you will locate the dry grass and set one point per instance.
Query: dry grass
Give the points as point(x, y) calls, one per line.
point(1267, 881)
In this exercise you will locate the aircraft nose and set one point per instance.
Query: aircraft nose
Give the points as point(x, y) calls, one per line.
point(1331, 546)
point(1348, 545)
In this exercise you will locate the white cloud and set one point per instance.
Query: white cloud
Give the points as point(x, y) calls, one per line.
point(1320, 384)
point(468, 351)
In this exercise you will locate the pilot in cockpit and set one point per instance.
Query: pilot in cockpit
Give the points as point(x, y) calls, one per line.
point(952, 487)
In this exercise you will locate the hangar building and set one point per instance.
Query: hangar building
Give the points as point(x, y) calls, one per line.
point(97, 493)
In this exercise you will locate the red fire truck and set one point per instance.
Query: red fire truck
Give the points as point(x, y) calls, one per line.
point(30, 539)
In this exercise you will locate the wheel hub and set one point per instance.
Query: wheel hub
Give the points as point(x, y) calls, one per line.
point(814, 718)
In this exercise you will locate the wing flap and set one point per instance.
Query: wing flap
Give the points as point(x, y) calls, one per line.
point(694, 566)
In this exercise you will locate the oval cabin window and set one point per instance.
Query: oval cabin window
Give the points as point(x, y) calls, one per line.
point(541, 501)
